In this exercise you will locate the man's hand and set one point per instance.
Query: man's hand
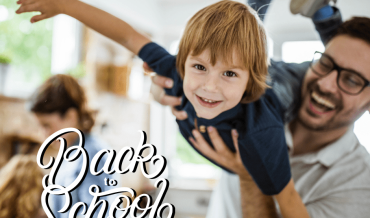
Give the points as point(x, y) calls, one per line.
point(159, 83)
point(221, 153)
point(48, 8)
point(254, 203)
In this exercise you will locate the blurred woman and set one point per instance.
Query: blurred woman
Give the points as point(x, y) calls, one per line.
point(21, 188)
point(61, 103)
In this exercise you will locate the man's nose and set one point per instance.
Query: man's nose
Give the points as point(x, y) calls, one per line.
point(328, 83)
point(211, 82)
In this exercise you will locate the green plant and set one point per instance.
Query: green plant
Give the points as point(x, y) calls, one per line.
point(78, 72)
point(28, 45)
point(187, 154)
point(4, 59)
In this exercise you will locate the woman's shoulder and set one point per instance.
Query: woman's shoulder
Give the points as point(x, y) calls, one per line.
point(94, 143)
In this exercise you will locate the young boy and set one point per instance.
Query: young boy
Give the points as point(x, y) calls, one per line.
point(222, 68)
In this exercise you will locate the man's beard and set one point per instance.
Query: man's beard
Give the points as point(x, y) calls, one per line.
point(330, 124)
point(335, 122)
point(327, 126)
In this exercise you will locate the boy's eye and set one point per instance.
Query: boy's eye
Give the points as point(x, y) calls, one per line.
point(199, 67)
point(229, 74)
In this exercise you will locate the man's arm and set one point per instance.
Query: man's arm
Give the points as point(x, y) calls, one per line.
point(97, 19)
point(254, 202)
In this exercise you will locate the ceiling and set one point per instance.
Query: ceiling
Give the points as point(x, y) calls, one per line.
point(165, 19)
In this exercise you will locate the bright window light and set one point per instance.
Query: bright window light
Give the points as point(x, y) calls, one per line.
point(300, 51)
point(362, 127)
point(174, 47)
point(3, 13)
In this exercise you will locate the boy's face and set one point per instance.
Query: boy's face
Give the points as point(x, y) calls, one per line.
point(213, 89)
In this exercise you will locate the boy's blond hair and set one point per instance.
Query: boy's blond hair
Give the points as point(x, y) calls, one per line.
point(224, 28)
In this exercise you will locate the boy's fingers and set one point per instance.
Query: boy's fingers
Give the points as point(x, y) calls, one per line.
point(162, 81)
point(147, 68)
point(19, 10)
point(23, 2)
point(27, 8)
point(38, 18)
point(27, 2)
point(180, 115)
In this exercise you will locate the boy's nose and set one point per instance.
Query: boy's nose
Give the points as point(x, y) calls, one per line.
point(328, 83)
point(211, 83)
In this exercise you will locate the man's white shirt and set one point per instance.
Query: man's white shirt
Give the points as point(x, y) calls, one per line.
point(332, 182)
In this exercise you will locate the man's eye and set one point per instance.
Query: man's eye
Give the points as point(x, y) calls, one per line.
point(229, 74)
point(350, 80)
point(199, 67)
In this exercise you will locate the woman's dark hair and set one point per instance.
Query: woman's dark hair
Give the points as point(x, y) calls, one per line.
point(60, 93)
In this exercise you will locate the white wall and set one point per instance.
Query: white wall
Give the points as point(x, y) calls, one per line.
point(283, 26)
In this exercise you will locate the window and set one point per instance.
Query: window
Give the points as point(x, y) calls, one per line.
point(300, 51)
point(27, 45)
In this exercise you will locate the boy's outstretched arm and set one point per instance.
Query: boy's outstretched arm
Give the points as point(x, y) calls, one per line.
point(99, 20)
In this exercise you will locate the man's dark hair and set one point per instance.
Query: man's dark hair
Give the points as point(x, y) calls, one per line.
point(357, 27)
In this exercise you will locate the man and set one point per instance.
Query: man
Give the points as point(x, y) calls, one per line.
point(330, 168)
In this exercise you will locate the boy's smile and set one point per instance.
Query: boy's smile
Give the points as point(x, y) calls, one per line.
point(213, 89)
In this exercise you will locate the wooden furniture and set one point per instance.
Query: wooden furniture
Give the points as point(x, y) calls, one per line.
point(20, 132)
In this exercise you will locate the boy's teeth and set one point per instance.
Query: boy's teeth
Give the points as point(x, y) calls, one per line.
point(322, 101)
point(207, 100)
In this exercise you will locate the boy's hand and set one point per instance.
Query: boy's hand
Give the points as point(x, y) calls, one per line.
point(48, 8)
point(221, 154)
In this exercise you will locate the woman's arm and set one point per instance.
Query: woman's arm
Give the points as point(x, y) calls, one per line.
point(97, 19)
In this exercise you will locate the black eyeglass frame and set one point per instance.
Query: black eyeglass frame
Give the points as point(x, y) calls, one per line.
point(339, 69)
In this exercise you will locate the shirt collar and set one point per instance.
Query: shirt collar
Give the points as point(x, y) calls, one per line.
point(330, 153)
point(228, 115)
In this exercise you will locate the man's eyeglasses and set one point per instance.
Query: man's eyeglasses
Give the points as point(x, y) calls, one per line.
point(348, 81)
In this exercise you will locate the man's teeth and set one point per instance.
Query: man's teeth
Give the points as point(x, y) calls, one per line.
point(322, 101)
point(208, 100)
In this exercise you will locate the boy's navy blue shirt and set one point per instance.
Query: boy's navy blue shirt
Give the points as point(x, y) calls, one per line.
point(260, 125)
